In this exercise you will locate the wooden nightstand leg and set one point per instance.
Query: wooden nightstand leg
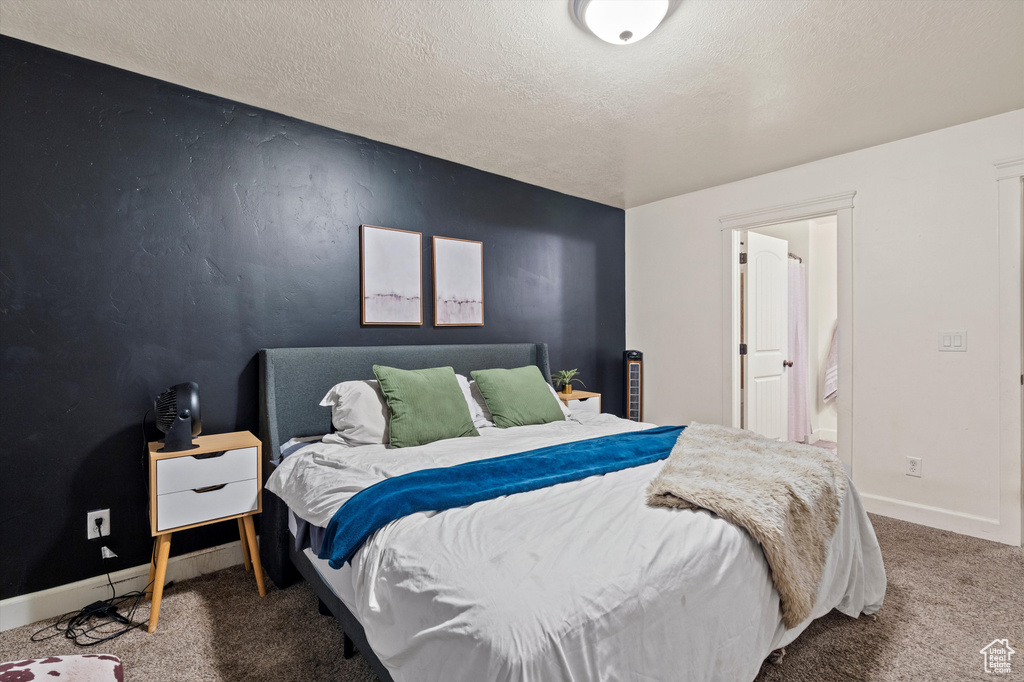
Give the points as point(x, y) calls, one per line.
point(152, 568)
point(163, 550)
point(254, 552)
point(245, 546)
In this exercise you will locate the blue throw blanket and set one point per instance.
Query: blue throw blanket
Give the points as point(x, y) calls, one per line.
point(461, 485)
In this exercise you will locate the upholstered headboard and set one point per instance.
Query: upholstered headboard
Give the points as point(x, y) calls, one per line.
point(294, 380)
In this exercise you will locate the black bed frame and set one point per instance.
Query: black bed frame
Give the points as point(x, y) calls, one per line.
point(292, 383)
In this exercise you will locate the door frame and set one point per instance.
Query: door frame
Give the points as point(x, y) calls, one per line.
point(839, 205)
point(1010, 184)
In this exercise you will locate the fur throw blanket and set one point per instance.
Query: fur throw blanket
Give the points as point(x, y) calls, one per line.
point(786, 495)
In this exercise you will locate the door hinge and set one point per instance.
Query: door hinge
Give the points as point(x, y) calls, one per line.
point(743, 349)
point(743, 259)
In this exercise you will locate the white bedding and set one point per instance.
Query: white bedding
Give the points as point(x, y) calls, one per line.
point(579, 581)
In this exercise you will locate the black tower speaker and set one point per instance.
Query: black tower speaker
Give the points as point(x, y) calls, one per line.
point(633, 363)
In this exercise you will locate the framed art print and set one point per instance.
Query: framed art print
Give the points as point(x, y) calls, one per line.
point(458, 282)
point(391, 267)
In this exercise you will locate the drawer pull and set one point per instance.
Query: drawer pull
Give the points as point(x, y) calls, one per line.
point(209, 488)
point(210, 455)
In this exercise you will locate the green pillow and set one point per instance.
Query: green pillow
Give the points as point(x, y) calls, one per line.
point(517, 397)
point(425, 405)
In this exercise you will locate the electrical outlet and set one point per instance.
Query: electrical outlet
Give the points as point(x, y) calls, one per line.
point(93, 531)
point(914, 466)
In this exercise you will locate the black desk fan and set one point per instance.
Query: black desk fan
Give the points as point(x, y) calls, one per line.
point(177, 415)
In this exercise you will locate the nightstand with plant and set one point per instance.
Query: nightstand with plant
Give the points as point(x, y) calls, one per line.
point(585, 401)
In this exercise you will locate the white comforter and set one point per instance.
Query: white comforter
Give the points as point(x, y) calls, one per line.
point(580, 581)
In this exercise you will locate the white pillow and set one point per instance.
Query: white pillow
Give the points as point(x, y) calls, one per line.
point(358, 412)
point(475, 402)
point(478, 406)
point(566, 412)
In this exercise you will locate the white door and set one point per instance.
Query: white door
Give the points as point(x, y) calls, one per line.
point(767, 332)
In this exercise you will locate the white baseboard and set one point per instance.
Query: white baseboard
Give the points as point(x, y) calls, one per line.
point(29, 608)
point(937, 517)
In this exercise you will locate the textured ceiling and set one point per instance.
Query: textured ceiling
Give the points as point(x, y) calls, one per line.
point(722, 91)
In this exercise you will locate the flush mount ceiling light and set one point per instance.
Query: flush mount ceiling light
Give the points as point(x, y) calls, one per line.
point(620, 22)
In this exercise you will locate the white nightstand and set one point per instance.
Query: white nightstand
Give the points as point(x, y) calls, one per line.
point(218, 481)
point(581, 401)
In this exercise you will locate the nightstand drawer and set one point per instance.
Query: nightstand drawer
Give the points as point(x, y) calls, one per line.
point(189, 506)
point(586, 405)
point(187, 473)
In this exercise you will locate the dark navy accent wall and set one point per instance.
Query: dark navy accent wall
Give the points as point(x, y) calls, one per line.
point(150, 234)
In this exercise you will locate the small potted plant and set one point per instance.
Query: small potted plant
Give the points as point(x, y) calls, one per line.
point(564, 378)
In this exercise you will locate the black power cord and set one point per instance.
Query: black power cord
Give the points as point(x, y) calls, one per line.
point(100, 621)
point(145, 458)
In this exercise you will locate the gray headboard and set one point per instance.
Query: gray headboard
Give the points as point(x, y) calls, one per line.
point(294, 380)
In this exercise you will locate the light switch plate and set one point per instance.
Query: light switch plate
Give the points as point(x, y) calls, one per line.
point(953, 342)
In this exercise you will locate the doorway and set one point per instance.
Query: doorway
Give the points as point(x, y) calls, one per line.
point(732, 227)
point(788, 330)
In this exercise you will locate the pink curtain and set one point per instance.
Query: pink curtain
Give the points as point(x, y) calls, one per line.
point(799, 393)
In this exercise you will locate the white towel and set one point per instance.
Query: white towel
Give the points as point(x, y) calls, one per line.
point(830, 380)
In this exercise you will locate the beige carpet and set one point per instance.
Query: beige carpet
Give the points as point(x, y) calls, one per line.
point(948, 596)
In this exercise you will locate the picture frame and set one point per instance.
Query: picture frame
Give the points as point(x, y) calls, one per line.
point(458, 282)
point(391, 276)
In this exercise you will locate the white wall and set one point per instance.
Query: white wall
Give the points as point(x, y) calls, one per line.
point(925, 259)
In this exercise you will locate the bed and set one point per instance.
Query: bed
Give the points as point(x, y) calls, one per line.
point(578, 581)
